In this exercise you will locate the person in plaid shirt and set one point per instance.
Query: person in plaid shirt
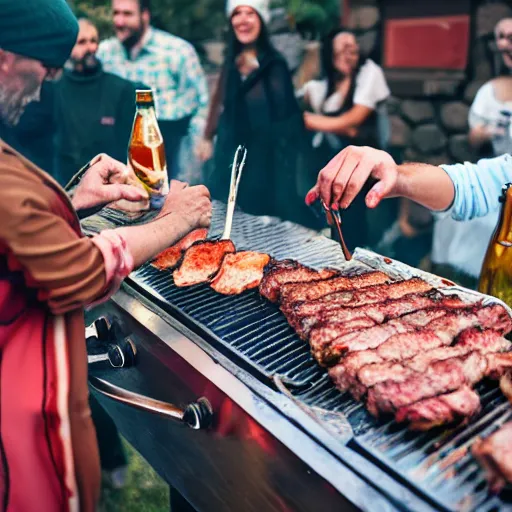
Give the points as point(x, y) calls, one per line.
point(167, 64)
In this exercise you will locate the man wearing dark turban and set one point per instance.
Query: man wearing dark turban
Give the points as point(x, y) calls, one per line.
point(49, 271)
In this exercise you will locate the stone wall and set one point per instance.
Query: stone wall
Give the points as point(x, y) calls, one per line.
point(434, 128)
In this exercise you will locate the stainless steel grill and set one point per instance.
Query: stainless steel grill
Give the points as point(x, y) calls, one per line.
point(437, 464)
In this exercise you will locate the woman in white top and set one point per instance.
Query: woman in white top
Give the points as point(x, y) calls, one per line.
point(347, 108)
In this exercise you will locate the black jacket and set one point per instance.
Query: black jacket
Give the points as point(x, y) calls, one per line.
point(262, 113)
point(93, 114)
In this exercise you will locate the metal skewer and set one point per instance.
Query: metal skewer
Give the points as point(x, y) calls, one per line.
point(236, 174)
point(336, 216)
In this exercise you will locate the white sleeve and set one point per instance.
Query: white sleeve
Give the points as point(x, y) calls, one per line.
point(316, 91)
point(371, 86)
point(483, 106)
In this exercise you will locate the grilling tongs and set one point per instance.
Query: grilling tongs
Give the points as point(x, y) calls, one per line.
point(336, 216)
point(236, 174)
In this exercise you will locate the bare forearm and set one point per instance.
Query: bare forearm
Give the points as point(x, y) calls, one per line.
point(338, 125)
point(425, 184)
point(157, 236)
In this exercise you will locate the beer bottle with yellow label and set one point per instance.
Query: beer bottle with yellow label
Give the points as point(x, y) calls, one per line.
point(146, 153)
point(496, 275)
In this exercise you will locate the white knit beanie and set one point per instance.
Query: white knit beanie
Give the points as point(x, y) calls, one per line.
point(260, 6)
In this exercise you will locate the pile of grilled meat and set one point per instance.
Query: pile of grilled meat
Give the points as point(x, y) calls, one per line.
point(402, 347)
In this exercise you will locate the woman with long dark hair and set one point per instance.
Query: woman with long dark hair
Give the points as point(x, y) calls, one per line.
point(348, 107)
point(255, 105)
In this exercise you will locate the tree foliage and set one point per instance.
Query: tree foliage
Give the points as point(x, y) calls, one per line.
point(203, 20)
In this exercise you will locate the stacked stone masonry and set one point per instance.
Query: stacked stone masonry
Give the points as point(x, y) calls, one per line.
point(434, 128)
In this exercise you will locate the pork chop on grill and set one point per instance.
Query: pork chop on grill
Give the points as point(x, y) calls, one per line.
point(392, 341)
point(486, 342)
point(495, 455)
point(506, 385)
point(170, 258)
point(294, 292)
point(354, 298)
point(458, 406)
point(440, 377)
point(240, 271)
point(380, 312)
point(202, 261)
point(277, 273)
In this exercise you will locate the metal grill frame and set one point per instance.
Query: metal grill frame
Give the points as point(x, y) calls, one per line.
point(317, 391)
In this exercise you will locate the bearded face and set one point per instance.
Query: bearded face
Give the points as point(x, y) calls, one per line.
point(21, 86)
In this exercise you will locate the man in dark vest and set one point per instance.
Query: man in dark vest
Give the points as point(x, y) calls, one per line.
point(94, 110)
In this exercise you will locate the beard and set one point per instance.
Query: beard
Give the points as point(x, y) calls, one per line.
point(13, 104)
point(134, 36)
point(87, 65)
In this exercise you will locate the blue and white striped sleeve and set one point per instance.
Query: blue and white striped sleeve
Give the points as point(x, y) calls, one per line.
point(478, 186)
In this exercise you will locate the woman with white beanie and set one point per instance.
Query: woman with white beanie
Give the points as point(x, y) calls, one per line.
point(254, 104)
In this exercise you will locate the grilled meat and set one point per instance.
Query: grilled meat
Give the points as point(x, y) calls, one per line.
point(239, 272)
point(294, 292)
point(461, 405)
point(354, 298)
point(439, 378)
point(170, 258)
point(495, 455)
point(278, 273)
point(379, 313)
point(201, 262)
point(327, 352)
point(328, 343)
point(487, 342)
point(506, 385)
point(394, 344)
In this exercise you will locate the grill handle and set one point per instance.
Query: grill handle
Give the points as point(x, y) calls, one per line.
point(196, 415)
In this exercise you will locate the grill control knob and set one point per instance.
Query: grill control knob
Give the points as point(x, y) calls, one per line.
point(122, 354)
point(198, 414)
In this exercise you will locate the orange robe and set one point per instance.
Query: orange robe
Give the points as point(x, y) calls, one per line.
point(48, 272)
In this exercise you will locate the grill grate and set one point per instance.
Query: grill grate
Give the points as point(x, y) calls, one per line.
point(437, 464)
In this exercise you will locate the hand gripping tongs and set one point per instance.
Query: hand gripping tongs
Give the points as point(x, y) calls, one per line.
point(236, 174)
point(335, 215)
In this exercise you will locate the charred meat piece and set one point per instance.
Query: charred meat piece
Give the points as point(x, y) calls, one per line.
point(495, 456)
point(459, 406)
point(392, 342)
point(506, 385)
point(441, 377)
point(366, 368)
point(294, 292)
point(170, 258)
point(498, 365)
point(239, 272)
point(356, 298)
point(379, 312)
point(201, 262)
point(487, 342)
point(327, 351)
point(278, 273)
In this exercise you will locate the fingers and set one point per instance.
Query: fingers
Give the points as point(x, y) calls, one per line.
point(379, 191)
point(328, 175)
point(203, 190)
point(345, 179)
point(117, 191)
point(177, 186)
point(312, 195)
point(352, 180)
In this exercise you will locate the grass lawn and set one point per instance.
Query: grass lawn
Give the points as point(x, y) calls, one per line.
point(144, 491)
